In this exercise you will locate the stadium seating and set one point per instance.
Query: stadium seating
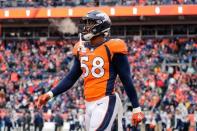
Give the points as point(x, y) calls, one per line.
point(47, 3)
point(30, 68)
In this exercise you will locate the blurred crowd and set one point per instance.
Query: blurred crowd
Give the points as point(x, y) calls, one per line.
point(46, 3)
point(163, 71)
point(164, 74)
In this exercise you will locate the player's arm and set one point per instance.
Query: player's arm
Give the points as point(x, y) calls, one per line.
point(65, 84)
point(122, 67)
point(69, 80)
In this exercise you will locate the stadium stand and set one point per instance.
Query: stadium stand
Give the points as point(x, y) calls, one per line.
point(47, 3)
point(33, 67)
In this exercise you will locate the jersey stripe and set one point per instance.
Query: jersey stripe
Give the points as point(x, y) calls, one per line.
point(112, 74)
point(108, 53)
point(111, 81)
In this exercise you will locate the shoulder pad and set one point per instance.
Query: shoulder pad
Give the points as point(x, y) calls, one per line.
point(117, 46)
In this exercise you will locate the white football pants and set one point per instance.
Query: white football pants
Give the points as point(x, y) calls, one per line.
point(100, 114)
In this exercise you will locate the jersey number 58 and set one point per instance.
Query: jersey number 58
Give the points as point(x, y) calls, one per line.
point(97, 64)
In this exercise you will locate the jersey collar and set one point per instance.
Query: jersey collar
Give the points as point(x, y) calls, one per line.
point(89, 45)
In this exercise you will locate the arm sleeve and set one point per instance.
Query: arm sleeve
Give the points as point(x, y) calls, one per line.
point(69, 80)
point(122, 67)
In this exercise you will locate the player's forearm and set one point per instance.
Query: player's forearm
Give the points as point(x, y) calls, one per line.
point(64, 85)
point(69, 80)
point(131, 92)
point(123, 69)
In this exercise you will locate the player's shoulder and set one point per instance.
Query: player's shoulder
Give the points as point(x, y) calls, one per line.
point(116, 40)
point(117, 46)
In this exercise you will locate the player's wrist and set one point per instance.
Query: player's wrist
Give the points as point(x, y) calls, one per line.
point(50, 94)
point(137, 110)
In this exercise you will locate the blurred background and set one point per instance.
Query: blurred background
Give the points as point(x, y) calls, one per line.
point(36, 42)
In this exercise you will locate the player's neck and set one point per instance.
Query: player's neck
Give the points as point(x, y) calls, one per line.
point(97, 40)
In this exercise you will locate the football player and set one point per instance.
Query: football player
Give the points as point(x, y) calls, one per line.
point(99, 60)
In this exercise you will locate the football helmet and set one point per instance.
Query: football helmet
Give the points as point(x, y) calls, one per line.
point(95, 23)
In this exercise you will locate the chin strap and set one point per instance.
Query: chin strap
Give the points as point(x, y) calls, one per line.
point(88, 36)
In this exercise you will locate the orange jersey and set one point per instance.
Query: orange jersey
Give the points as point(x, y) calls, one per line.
point(98, 72)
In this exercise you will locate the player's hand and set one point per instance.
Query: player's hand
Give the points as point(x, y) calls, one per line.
point(137, 116)
point(42, 100)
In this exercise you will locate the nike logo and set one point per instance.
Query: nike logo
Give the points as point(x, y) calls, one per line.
point(99, 104)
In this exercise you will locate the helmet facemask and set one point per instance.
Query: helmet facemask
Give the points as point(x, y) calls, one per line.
point(89, 28)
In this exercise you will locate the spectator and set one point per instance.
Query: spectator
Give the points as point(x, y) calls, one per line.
point(38, 121)
point(28, 120)
point(195, 118)
point(8, 122)
point(1, 123)
point(23, 121)
point(59, 122)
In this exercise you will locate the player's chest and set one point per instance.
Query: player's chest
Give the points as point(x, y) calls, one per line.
point(94, 61)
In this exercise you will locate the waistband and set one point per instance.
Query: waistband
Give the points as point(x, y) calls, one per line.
point(99, 97)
